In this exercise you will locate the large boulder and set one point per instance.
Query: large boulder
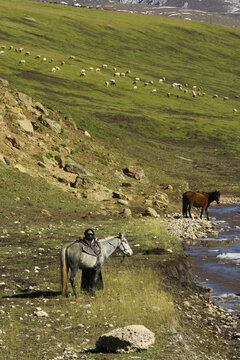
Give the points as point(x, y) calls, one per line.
point(26, 126)
point(128, 338)
point(51, 124)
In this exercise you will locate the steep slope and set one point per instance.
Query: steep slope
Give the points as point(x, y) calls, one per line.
point(170, 132)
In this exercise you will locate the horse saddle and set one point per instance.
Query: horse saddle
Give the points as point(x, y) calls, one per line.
point(93, 249)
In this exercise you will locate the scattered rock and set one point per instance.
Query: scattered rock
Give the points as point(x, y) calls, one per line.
point(128, 338)
point(41, 108)
point(150, 212)
point(4, 82)
point(87, 134)
point(135, 172)
point(76, 169)
point(26, 126)
point(15, 142)
point(126, 213)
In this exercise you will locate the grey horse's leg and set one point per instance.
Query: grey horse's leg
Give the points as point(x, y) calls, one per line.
point(72, 279)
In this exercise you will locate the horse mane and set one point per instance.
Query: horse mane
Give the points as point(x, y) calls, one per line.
point(109, 238)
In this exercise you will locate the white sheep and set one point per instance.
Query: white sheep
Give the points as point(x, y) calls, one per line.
point(215, 96)
point(53, 69)
point(122, 74)
point(135, 87)
point(22, 62)
point(62, 62)
point(104, 66)
point(145, 83)
point(27, 53)
point(72, 57)
point(185, 91)
point(37, 56)
point(3, 47)
point(20, 50)
point(97, 70)
point(193, 93)
point(10, 47)
point(226, 98)
point(117, 74)
point(168, 94)
point(44, 59)
point(154, 91)
point(106, 83)
point(82, 74)
point(51, 60)
point(176, 85)
point(137, 79)
point(1, 52)
point(112, 82)
point(151, 82)
point(57, 68)
point(235, 110)
point(160, 80)
point(128, 72)
point(90, 68)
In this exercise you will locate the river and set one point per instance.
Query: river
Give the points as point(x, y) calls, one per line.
point(216, 261)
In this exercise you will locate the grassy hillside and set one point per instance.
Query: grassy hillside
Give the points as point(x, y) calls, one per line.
point(154, 128)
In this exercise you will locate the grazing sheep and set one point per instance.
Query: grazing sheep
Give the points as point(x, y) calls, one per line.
point(235, 110)
point(104, 66)
point(22, 62)
point(203, 94)
point(135, 88)
point(128, 72)
point(62, 62)
point(215, 96)
point(185, 91)
point(52, 60)
point(27, 53)
point(176, 85)
point(154, 91)
point(168, 94)
point(107, 83)
point(1, 52)
point(16, 49)
point(53, 69)
point(97, 70)
point(3, 47)
point(236, 96)
point(10, 47)
point(226, 98)
point(44, 59)
point(122, 74)
point(82, 74)
point(112, 82)
point(37, 56)
point(160, 80)
point(151, 82)
point(194, 87)
point(57, 68)
point(114, 69)
point(72, 57)
point(20, 50)
point(83, 71)
point(193, 93)
point(145, 83)
point(90, 68)
point(137, 79)
point(116, 74)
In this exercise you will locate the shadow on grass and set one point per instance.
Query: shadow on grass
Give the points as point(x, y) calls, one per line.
point(34, 294)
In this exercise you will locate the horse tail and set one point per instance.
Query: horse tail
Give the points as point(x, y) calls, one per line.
point(64, 271)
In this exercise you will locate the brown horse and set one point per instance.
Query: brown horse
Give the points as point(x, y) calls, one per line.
point(198, 199)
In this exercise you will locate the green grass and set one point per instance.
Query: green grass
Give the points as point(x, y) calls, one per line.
point(150, 126)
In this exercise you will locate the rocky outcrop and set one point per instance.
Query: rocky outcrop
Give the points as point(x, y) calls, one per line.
point(128, 338)
point(136, 172)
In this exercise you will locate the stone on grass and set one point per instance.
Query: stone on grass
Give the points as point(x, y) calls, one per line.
point(128, 338)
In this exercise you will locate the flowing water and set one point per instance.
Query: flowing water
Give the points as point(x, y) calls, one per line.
point(216, 261)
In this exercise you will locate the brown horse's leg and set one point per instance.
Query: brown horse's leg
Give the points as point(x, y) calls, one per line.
point(189, 210)
point(201, 213)
point(207, 212)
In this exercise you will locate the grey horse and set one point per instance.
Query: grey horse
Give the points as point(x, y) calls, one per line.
point(72, 256)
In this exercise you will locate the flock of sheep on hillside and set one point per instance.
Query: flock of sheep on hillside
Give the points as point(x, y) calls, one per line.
point(194, 91)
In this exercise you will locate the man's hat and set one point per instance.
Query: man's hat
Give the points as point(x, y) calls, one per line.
point(89, 231)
